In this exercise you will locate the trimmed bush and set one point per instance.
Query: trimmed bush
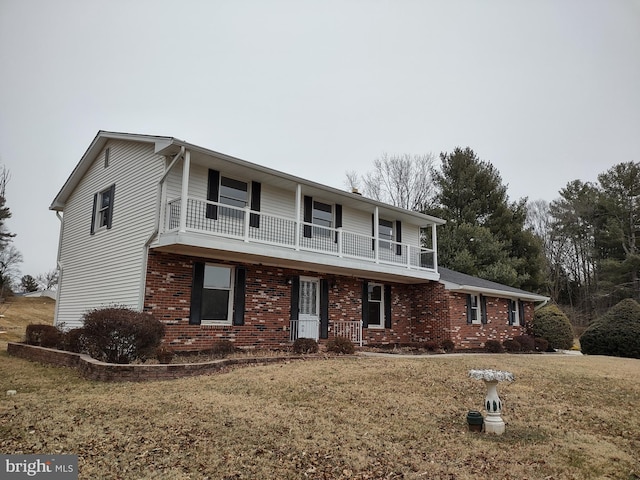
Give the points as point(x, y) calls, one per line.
point(541, 344)
point(431, 346)
point(73, 341)
point(493, 346)
point(222, 348)
point(527, 343)
point(341, 345)
point(305, 345)
point(512, 346)
point(616, 333)
point(553, 325)
point(121, 335)
point(447, 345)
point(42, 335)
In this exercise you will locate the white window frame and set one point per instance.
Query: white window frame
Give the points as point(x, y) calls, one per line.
point(515, 312)
point(385, 241)
point(103, 212)
point(476, 309)
point(230, 289)
point(381, 302)
point(322, 230)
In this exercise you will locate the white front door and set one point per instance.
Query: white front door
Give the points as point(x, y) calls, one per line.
point(309, 308)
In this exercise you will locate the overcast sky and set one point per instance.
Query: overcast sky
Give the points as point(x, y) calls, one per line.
point(548, 91)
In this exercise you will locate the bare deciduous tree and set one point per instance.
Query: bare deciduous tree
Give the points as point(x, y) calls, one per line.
point(402, 180)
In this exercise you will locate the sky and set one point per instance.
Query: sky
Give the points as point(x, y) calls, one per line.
point(548, 91)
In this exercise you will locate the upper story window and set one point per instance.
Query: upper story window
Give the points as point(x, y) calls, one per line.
point(234, 192)
point(325, 215)
point(102, 214)
point(322, 215)
point(385, 233)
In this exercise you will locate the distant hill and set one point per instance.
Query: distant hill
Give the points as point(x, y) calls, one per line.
point(18, 312)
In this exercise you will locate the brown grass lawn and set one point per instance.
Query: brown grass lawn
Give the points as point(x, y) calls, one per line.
point(354, 417)
point(18, 312)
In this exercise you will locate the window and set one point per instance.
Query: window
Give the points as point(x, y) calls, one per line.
point(102, 214)
point(322, 215)
point(234, 192)
point(474, 313)
point(385, 232)
point(376, 305)
point(217, 294)
point(515, 312)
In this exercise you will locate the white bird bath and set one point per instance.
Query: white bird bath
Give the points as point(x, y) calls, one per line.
point(492, 403)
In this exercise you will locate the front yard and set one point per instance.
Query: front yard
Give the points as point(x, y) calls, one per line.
point(352, 417)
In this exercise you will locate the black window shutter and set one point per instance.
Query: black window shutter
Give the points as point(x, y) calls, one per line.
point(254, 218)
point(324, 308)
point(387, 306)
point(483, 302)
point(373, 231)
point(338, 218)
point(295, 300)
point(307, 215)
point(521, 311)
point(240, 288)
point(196, 293)
point(112, 194)
point(93, 214)
point(398, 237)
point(469, 311)
point(365, 304)
point(213, 191)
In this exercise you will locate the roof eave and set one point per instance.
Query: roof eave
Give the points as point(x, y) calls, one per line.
point(497, 293)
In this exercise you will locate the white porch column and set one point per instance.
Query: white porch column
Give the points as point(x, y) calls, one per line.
point(186, 166)
point(298, 210)
point(376, 233)
point(434, 245)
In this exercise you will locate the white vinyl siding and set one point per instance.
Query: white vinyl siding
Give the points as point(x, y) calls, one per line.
point(105, 268)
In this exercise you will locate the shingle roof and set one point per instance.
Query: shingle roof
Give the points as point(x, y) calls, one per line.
point(461, 281)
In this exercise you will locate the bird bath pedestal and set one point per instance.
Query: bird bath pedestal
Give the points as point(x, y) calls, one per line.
point(492, 403)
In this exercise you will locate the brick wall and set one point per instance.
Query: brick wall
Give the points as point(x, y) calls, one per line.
point(467, 336)
point(419, 312)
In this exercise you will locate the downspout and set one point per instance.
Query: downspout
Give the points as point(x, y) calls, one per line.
point(59, 267)
point(156, 230)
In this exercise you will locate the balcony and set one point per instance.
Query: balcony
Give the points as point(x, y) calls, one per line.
point(277, 232)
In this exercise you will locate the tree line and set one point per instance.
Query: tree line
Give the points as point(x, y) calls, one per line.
point(579, 249)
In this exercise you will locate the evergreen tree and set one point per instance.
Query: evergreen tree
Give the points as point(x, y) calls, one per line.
point(485, 235)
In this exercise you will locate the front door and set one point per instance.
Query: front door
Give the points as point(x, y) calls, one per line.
point(309, 308)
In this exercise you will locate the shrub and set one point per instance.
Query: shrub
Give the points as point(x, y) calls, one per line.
point(164, 354)
point(305, 345)
point(341, 345)
point(121, 335)
point(431, 345)
point(541, 344)
point(74, 341)
point(493, 346)
point(616, 333)
point(553, 325)
point(447, 345)
point(222, 348)
point(42, 335)
point(527, 343)
point(512, 346)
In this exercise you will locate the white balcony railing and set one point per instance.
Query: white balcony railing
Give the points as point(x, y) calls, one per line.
point(249, 226)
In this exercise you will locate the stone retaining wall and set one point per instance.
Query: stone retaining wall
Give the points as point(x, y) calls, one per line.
point(109, 372)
